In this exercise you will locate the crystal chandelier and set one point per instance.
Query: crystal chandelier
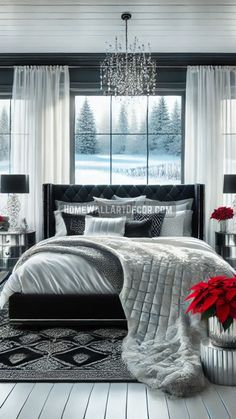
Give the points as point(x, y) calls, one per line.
point(129, 73)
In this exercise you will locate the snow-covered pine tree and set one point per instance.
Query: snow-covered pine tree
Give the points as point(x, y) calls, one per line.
point(119, 141)
point(4, 135)
point(159, 127)
point(85, 131)
point(174, 146)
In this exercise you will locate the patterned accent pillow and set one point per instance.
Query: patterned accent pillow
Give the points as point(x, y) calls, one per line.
point(75, 224)
point(157, 220)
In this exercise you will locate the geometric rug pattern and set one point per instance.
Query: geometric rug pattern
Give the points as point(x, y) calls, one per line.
point(61, 353)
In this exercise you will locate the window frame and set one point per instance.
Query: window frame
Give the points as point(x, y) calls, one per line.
point(95, 92)
point(8, 96)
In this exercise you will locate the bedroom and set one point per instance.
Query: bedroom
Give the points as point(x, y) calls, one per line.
point(93, 320)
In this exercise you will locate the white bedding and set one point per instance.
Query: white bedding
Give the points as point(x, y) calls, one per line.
point(52, 273)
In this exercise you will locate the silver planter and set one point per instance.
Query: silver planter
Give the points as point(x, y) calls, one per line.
point(219, 337)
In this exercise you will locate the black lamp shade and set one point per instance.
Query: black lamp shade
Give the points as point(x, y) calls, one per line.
point(229, 184)
point(14, 184)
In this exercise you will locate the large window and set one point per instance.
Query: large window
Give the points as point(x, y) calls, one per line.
point(128, 140)
point(5, 135)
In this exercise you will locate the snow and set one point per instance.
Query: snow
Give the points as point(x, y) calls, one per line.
point(127, 169)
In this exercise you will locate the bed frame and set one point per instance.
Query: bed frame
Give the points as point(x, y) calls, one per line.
point(93, 309)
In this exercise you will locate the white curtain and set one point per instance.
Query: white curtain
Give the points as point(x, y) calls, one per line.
point(210, 134)
point(40, 143)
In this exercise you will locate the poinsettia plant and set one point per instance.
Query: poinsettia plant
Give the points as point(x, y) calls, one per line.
point(222, 213)
point(217, 297)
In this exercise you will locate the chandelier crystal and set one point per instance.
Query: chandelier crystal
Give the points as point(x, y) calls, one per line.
point(129, 73)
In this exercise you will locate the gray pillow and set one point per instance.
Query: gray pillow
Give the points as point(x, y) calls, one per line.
point(140, 198)
point(179, 224)
point(173, 206)
point(81, 208)
point(111, 208)
point(104, 226)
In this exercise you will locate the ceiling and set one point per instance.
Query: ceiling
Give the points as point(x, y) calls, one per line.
point(44, 26)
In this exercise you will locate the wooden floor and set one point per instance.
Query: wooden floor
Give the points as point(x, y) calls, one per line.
point(110, 401)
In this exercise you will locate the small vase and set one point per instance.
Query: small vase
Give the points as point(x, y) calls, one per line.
point(223, 226)
point(219, 337)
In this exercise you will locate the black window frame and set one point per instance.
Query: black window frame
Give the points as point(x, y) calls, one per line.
point(95, 92)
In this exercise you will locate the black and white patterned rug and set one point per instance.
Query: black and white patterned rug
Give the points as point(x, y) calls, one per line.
point(61, 354)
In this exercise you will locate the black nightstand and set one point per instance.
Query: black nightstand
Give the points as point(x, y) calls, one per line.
point(226, 246)
point(12, 245)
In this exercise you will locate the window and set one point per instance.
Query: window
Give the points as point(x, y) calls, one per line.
point(5, 135)
point(128, 140)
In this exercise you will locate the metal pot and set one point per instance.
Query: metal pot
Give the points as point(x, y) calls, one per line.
point(219, 337)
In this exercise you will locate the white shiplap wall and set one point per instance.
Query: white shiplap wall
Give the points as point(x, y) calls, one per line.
point(85, 26)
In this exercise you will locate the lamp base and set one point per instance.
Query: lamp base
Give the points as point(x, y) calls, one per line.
point(13, 210)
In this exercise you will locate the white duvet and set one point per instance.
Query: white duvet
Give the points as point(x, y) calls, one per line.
point(52, 273)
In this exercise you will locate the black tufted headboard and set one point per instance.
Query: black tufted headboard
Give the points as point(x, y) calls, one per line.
point(85, 193)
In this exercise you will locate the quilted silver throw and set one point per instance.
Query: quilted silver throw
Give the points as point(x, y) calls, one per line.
point(162, 346)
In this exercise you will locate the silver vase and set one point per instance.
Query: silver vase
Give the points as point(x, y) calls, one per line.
point(219, 337)
point(223, 226)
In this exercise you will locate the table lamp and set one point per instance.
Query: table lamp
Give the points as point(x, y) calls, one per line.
point(14, 185)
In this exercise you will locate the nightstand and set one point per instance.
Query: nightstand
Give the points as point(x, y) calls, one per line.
point(12, 245)
point(225, 244)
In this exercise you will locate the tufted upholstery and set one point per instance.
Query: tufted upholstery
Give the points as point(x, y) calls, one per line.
point(85, 193)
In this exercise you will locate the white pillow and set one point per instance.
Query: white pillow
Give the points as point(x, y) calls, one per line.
point(104, 226)
point(60, 226)
point(173, 226)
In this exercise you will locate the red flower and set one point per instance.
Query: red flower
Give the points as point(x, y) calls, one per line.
point(222, 213)
point(217, 297)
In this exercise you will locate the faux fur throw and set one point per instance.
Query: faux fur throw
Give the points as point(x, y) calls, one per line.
point(162, 345)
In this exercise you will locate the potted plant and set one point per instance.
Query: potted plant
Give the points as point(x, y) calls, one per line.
point(222, 214)
point(215, 300)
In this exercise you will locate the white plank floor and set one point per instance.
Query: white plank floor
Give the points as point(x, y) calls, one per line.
point(110, 401)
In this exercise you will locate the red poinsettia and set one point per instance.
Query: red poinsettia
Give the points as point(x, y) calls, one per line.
point(217, 297)
point(222, 213)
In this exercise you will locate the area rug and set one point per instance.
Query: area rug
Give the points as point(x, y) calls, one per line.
point(61, 354)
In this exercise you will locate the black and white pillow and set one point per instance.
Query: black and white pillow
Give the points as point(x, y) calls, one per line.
point(75, 223)
point(138, 228)
point(156, 219)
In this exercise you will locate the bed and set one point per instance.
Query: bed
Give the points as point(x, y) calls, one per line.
point(93, 308)
point(151, 276)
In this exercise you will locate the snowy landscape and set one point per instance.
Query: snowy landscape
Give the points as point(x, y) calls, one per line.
point(117, 141)
point(120, 142)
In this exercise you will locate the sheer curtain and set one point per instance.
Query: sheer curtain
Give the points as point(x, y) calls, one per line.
point(40, 143)
point(210, 134)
